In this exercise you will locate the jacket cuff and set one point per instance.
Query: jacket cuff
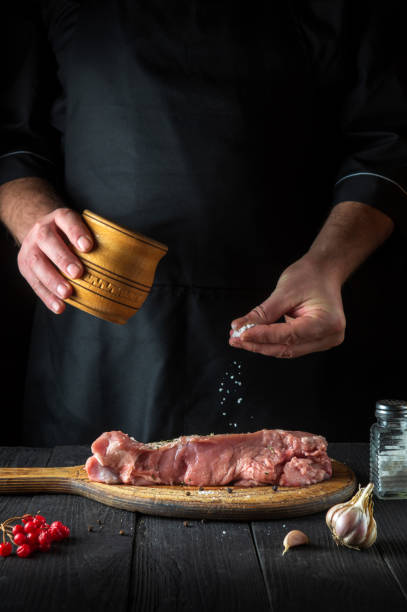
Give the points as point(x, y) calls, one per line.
point(376, 190)
point(20, 164)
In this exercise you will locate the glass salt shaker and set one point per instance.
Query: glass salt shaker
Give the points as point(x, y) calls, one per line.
point(388, 450)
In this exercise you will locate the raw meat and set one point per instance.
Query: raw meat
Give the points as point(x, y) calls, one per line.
point(265, 457)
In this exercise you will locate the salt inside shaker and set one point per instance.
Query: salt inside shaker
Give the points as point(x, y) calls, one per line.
point(388, 450)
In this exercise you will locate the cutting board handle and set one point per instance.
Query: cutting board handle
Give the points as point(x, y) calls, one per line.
point(40, 479)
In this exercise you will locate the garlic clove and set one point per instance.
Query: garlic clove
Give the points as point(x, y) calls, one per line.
point(294, 538)
point(331, 511)
point(352, 523)
point(370, 537)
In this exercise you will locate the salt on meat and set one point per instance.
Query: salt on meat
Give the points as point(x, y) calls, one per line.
point(265, 457)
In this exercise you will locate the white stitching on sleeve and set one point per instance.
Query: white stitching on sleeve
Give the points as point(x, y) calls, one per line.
point(28, 153)
point(386, 178)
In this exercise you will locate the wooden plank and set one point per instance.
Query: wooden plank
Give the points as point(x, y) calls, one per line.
point(89, 567)
point(336, 577)
point(20, 457)
point(391, 519)
point(197, 567)
point(16, 577)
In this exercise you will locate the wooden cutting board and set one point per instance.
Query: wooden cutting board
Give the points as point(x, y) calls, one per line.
point(235, 503)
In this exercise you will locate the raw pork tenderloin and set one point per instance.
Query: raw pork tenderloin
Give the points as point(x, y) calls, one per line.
point(265, 457)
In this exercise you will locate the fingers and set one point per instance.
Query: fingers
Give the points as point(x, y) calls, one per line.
point(284, 351)
point(44, 254)
point(46, 273)
point(296, 330)
point(267, 312)
point(294, 339)
point(73, 226)
point(46, 295)
point(49, 241)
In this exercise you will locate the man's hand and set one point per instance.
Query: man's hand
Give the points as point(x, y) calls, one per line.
point(308, 293)
point(311, 305)
point(41, 223)
point(44, 254)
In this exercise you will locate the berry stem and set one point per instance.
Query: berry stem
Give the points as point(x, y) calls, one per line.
point(5, 527)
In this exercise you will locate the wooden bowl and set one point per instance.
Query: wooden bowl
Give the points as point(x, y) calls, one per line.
point(119, 270)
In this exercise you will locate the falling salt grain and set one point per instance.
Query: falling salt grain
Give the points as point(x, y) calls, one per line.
point(223, 413)
point(239, 400)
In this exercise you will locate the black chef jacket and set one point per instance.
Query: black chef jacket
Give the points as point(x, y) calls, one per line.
point(227, 131)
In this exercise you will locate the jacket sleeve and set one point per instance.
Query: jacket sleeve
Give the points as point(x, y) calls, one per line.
point(29, 145)
point(373, 168)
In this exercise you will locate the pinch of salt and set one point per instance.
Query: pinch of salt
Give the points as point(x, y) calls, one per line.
point(239, 332)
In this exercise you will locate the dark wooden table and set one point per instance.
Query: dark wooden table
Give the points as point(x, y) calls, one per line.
point(164, 564)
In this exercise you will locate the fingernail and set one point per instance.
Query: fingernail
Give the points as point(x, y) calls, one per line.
point(62, 290)
point(55, 306)
point(234, 326)
point(84, 243)
point(73, 270)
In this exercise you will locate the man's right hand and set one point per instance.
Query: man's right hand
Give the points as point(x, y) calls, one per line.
point(44, 254)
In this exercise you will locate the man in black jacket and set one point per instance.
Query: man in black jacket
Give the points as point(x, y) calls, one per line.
point(232, 137)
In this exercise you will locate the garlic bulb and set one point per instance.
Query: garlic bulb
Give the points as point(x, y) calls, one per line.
point(352, 523)
point(294, 538)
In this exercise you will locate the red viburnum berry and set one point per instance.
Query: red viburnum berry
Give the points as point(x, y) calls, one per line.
point(57, 524)
point(56, 533)
point(44, 541)
point(24, 550)
point(5, 549)
point(20, 538)
point(40, 518)
point(30, 526)
point(18, 529)
point(32, 539)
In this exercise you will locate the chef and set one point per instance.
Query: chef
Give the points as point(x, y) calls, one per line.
point(266, 147)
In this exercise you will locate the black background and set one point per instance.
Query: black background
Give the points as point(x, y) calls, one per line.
point(370, 364)
point(17, 306)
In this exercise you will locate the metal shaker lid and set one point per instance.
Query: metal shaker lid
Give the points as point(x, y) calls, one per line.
point(391, 408)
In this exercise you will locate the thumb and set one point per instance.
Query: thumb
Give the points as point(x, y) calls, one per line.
point(269, 311)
